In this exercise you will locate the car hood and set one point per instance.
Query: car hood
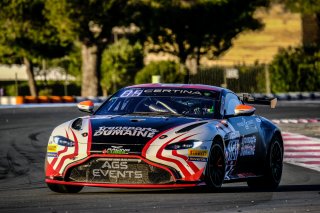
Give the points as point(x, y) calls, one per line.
point(132, 129)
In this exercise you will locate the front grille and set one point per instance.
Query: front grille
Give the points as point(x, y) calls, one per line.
point(119, 171)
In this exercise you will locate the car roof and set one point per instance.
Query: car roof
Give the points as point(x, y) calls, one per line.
point(180, 86)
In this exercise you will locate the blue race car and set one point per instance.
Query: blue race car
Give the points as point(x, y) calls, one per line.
point(166, 136)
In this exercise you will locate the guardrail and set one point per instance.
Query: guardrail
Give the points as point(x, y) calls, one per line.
point(12, 100)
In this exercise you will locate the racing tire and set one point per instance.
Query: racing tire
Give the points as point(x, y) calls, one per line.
point(216, 167)
point(273, 168)
point(64, 188)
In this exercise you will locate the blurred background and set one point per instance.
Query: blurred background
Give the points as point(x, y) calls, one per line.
point(94, 47)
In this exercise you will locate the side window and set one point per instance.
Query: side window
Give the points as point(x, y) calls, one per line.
point(231, 101)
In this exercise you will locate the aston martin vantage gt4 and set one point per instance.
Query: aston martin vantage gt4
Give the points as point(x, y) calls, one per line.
point(166, 136)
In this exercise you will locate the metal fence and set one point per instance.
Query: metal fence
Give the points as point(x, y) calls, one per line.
point(240, 79)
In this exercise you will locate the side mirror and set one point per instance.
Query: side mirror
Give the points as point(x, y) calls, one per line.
point(244, 110)
point(86, 106)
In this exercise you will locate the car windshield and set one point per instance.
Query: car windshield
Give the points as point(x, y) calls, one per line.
point(192, 103)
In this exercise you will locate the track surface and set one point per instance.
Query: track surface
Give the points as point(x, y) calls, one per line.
point(23, 139)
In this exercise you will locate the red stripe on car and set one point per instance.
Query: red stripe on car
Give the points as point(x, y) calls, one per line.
point(76, 149)
point(60, 152)
point(146, 147)
point(178, 163)
point(89, 137)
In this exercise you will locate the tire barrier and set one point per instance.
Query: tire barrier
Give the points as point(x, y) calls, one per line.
point(7, 100)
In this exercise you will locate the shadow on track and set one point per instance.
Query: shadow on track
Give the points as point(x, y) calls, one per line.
point(202, 190)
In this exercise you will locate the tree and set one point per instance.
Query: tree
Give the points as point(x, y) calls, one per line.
point(310, 10)
point(296, 69)
point(191, 29)
point(26, 36)
point(120, 63)
point(168, 70)
point(90, 22)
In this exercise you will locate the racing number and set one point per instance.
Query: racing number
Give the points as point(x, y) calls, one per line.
point(131, 93)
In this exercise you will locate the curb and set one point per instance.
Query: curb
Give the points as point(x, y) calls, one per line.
point(301, 150)
point(290, 96)
point(296, 121)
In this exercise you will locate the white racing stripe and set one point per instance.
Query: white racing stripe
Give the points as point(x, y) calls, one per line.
point(70, 151)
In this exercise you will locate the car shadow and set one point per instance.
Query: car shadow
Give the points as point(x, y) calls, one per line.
point(200, 190)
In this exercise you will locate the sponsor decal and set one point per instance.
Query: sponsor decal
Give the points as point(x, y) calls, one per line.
point(52, 148)
point(173, 91)
point(116, 150)
point(248, 146)
point(233, 150)
point(116, 169)
point(232, 135)
point(197, 159)
point(52, 155)
point(197, 153)
point(126, 131)
point(246, 124)
point(230, 166)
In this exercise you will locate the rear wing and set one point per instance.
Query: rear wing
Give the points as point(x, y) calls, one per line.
point(248, 98)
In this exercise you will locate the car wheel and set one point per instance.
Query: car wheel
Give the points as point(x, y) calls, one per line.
point(64, 188)
point(273, 168)
point(215, 170)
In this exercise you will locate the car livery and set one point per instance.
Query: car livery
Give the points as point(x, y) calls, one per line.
point(165, 136)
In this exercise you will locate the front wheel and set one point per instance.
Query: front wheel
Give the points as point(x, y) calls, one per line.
point(273, 168)
point(64, 188)
point(215, 170)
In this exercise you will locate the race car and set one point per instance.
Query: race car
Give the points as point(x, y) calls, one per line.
point(166, 136)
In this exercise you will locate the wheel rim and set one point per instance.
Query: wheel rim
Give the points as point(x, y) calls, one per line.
point(216, 166)
point(276, 161)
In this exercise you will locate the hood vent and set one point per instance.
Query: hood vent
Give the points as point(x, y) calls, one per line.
point(77, 124)
point(192, 126)
point(137, 120)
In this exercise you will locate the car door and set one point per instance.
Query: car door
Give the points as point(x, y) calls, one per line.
point(243, 142)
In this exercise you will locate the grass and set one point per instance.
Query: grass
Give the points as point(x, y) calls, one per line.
point(282, 29)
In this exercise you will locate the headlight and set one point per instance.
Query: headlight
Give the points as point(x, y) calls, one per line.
point(184, 145)
point(63, 141)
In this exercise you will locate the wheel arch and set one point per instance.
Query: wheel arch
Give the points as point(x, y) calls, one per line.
point(219, 139)
point(209, 180)
point(277, 133)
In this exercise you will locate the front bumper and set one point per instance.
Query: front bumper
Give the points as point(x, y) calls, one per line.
point(130, 186)
point(120, 171)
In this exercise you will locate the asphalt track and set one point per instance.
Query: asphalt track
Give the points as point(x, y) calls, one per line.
point(23, 136)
